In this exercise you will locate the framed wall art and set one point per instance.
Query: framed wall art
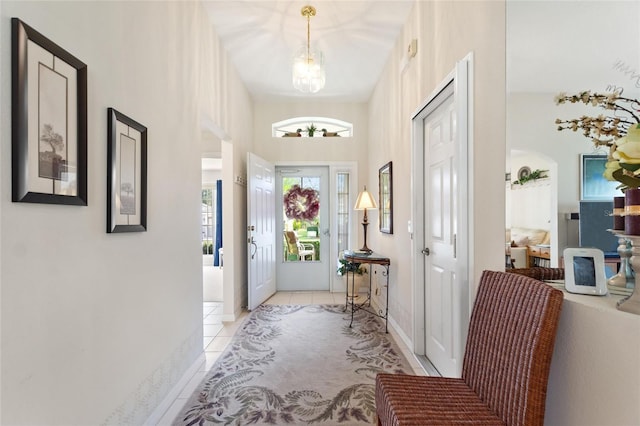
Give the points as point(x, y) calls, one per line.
point(126, 174)
point(593, 185)
point(49, 120)
point(386, 198)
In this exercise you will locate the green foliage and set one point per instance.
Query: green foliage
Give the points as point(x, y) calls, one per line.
point(345, 266)
point(311, 129)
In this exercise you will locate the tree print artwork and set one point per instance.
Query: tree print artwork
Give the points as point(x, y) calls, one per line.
point(127, 175)
point(50, 163)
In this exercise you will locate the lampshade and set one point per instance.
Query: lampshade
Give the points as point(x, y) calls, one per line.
point(365, 201)
point(308, 64)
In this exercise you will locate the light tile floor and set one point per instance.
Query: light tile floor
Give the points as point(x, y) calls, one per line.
point(217, 335)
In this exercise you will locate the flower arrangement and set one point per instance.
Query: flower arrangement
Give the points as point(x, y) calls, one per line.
point(301, 203)
point(620, 132)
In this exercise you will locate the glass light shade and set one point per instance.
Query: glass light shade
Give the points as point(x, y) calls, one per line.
point(308, 70)
point(365, 201)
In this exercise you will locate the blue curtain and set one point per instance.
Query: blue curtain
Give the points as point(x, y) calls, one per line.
point(216, 254)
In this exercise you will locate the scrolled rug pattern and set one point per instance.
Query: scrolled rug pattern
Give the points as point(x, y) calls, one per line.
point(296, 365)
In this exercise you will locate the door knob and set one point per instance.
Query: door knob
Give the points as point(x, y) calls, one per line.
point(426, 251)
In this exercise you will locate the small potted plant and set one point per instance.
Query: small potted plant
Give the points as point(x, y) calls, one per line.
point(345, 267)
point(311, 129)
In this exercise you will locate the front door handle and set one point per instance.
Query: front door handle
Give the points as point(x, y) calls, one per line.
point(426, 251)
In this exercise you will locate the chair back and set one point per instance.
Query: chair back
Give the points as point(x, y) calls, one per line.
point(510, 343)
point(540, 273)
point(292, 242)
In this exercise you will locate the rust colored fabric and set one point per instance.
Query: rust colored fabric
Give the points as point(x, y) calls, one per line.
point(505, 368)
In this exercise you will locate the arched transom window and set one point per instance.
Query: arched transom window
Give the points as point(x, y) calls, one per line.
point(312, 127)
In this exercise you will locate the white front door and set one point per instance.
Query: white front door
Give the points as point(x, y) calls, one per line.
point(261, 241)
point(303, 214)
point(442, 268)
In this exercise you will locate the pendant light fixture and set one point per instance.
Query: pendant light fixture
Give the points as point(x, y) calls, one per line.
point(308, 63)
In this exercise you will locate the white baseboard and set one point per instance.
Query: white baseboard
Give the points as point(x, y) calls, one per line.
point(234, 316)
point(397, 331)
point(168, 400)
point(399, 334)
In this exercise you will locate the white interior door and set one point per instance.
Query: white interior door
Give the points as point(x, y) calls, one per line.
point(440, 234)
point(442, 220)
point(261, 241)
point(309, 269)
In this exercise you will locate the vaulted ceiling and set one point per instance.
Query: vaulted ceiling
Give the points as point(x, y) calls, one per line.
point(356, 37)
point(551, 45)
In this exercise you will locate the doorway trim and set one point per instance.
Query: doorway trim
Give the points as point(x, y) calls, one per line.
point(462, 79)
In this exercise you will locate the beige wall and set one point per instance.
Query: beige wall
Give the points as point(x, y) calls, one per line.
point(226, 114)
point(446, 32)
point(96, 327)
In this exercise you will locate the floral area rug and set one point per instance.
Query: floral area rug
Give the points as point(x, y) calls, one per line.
point(297, 365)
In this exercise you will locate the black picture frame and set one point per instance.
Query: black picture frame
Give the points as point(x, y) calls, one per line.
point(48, 136)
point(385, 195)
point(126, 174)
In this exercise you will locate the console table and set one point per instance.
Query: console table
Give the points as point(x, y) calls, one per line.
point(355, 259)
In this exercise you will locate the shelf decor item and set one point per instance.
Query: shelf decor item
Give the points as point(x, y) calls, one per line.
point(49, 120)
point(631, 303)
point(311, 130)
point(625, 277)
point(126, 174)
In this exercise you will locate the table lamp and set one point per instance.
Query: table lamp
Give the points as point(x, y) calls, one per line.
point(365, 201)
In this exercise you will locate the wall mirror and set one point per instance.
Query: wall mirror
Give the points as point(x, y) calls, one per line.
point(547, 56)
point(386, 198)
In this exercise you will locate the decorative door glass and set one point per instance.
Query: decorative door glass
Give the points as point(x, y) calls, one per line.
point(301, 216)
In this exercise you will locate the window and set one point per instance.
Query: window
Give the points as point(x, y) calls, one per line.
point(302, 221)
point(343, 210)
point(312, 127)
point(208, 220)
